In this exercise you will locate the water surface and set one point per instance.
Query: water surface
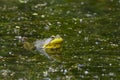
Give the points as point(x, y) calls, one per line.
point(91, 33)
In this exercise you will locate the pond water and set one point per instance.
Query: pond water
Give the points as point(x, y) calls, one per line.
point(91, 33)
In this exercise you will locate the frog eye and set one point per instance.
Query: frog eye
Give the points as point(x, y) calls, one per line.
point(52, 36)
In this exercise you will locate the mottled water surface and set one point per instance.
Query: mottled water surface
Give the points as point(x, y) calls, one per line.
point(91, 33)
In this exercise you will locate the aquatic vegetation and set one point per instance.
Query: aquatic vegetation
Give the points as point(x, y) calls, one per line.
point(91, 33)
point(23, 1)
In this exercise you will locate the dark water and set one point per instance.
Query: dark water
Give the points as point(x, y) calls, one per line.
point(91, 33)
